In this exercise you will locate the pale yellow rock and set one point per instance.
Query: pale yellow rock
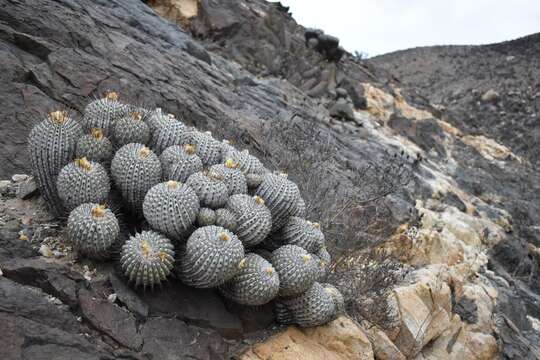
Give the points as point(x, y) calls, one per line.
point(383, 347)
point(179, 11)
point(489, 148)
point(341, 339)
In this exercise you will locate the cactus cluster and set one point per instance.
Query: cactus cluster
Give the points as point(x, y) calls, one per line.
point(212, 214)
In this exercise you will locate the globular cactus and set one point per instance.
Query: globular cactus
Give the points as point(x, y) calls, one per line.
point(211, 257)
point(102, 113)
point(300, 208)
point(253, 219)
point(171, 208)
point(52, 145)
point(180, 162)
point(303, 233)
point(323, 260)
point(226, 147)
point(168, 133)
point(280, 196)
point(207, 148)
point(95, 147)
point(135, 169)
point(317, 306)
point(206, 216)
point(248, 164)
point(233, 178)
point(257, 283)
point(82, 181)
point(147, 258)
point(296, 268)
point(93, 229)
point(156, 119)
point(131, 129)
point(337, 297)
point(210, 188)
point(225, 218)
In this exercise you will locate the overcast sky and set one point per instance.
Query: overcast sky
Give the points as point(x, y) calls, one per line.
point(380, 26)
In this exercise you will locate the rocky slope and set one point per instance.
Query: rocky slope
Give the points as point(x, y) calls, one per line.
point(235, 68)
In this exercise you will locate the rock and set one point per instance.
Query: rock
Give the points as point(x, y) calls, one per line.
point(128, 297)
point(27, 188)
point(425, 310)
point(490, 96)
point(4, 187)
point(19, 177)
point(340, 339)
point(111, 319)
point(173, 339)
point(201, 307)
point(466, 308)
point(341, 92)
point(383, 347)
point(199, 52)
point(342, 110)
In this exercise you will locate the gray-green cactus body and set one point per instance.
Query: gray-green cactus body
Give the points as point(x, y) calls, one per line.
point(211, 189)
point(93, 229)
point(206, 216)
point(82, 181)
point(207, 148)
point(147, 258)
point(337, 297)
point(280, 196)
point(211, 257)
point(233, 178)
point(253, 219)
point(300, 208)
point(52, 144)
point(135, 169)
point(169, 133)
point(248, 164)
point(225, 218)
point(323, 260)
point(131, 129)
point(180, 162)
point(303, 233)
point(171, 208)
point(257, 282)
point(95, 147)
point(102, 113)
point(316, 306)
point(296, 268)
point(156, 119)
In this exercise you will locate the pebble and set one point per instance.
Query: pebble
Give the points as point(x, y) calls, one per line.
point(27, 189)
point(112, 298)
point(45, 251)
point(4, 186)
point(1, 273)
point(19, 177)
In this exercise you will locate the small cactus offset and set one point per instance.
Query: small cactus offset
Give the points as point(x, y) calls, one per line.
point(233, 178)
point(52, 145)
point(131, 129)
point(323, 260)
point(225, 218)
point(95, 147)
point(296, 268)
point(147, 258)
point(211, 257)
point(102, 113)
point(257, 283)
point(304, 233)
point(93, 229)
point(135, 169)
point(82, 181)
point(156, 119)
point(206, 216)
point(210, 188)
point(248, 164)
point(280, 196)
point(317, 306)
point(171, 208)
point(253, 218)
point(180, 162)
